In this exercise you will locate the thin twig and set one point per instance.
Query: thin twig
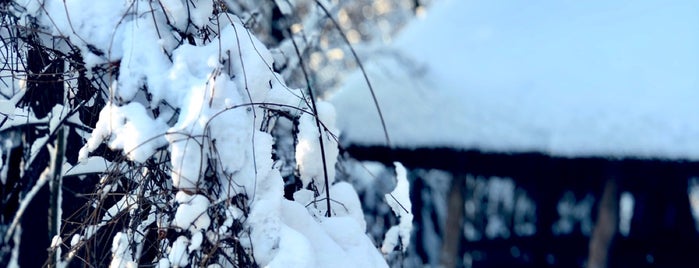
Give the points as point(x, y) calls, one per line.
point(361, 67)
point(320, 130)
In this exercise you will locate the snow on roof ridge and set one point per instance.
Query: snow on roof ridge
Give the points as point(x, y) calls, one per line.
point(574, 79)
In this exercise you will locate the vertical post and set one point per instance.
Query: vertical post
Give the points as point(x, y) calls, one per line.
point(606, 226)
point(454, 223)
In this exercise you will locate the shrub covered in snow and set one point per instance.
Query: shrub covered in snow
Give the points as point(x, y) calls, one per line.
point(189, 101)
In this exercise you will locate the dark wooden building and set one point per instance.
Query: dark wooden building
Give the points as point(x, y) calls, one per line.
point(662, 231)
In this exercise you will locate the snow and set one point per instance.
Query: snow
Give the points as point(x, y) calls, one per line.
point(192, 212)
point(308, 153)
point(195, 244)
point(346, 233)
point(164, 263)
point(94, 164)
point(295, 250)
point(205, 103)
point(129, 128)
point(127, 202)
point(593, 78)
point(120, 255)
point(328, 237)
point(84, 23)
point(75, 239)
point(177, 256)
point(56, 241)
point(626, 204)
point(17, 117)
point(399, 201)
point(344, 195)
point(139, 65)
point(390, 239)
point(177, 12)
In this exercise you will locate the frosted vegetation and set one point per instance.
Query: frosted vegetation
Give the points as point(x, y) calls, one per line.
point(207, 134)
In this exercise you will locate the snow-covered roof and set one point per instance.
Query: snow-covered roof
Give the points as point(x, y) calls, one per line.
point(564, 78)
